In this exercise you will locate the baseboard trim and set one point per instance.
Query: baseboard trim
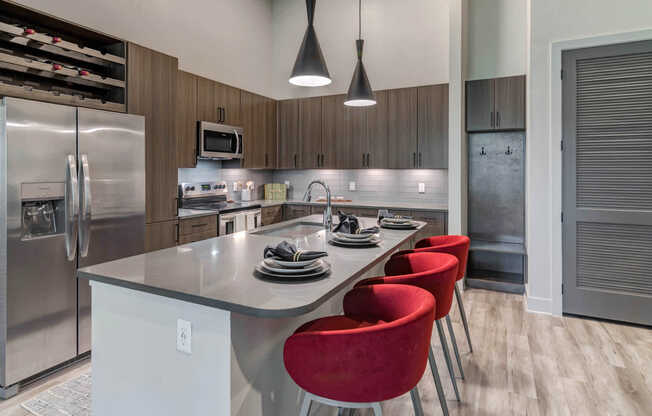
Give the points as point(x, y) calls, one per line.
point(539, 305)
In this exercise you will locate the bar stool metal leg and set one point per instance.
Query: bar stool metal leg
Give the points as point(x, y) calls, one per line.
point(378, 411)
point(438, 386)
point(416, 401)
point(458, 296)
point(305, 406)
point(447, 356)
point(454, 342)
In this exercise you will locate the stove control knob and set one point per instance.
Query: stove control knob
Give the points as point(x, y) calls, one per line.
point(215, 187)
point(192, 188)
point(187, 188)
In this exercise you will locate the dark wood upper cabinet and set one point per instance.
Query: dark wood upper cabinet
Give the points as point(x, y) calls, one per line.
point(433, 127)
point(335, 135)
point(259, 121)
point(271, 142)
point(227, 99)
point(254, 123)
point(358, 138)
point(206, 101)
point(377, 132)
point(495, 104)
point(289, 152)
point(480, 105)
point(152, 92)
point(402, 128)
point(186, 123)
point(510, 103)
point(310, 132)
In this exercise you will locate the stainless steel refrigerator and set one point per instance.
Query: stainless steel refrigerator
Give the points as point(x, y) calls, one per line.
point(72, 186)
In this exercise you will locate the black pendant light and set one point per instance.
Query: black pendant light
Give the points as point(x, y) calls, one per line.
point(360, 93)
point(310, 67)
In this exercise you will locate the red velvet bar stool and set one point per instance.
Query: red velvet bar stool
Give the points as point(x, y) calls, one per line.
point(436, 273)
point(376, 351)
point(458, 246)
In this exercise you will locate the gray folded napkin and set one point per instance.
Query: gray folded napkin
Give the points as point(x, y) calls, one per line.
point(349, 224)
point(288, 252)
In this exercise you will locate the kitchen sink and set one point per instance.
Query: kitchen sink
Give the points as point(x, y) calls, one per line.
point(293, 230)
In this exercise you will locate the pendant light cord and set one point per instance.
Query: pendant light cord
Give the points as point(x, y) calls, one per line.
point(359, 19)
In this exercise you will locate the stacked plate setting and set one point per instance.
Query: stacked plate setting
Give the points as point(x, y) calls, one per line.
point(281, 269)
point(398, 223)
point(354, 240)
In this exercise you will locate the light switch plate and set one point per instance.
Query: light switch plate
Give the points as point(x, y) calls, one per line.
point(287, 183)
point(184, 336)
point(422, 188)
point(351, 186)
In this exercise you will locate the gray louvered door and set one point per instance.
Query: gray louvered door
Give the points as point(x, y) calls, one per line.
point(607, 169)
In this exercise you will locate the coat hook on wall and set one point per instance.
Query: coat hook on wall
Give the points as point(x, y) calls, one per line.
point(482, 152)
point(509, 151)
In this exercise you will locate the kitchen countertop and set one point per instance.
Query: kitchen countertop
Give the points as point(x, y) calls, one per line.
point(219, 272)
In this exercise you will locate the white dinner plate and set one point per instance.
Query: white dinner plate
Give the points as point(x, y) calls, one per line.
point(294, 264)
point(408, 226)
point(316, 273)
point(354, 237)
point(274, 267)
point(396, 220)
point(374, 240)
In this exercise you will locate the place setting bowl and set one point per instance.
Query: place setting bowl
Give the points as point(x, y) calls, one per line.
point(398, 223)
point(355, 240)
point(284, 270)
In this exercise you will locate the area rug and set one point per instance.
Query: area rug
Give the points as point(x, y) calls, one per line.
point(72, 398)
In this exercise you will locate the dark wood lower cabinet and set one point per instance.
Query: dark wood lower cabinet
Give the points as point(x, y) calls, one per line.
point(160, 235)
point(291, 212)
point(272, 215)
point(436, 223)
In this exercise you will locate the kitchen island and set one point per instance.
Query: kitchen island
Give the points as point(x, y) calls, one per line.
point(239, 321)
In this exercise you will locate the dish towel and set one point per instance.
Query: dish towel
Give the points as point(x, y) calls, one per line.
point(288, 252)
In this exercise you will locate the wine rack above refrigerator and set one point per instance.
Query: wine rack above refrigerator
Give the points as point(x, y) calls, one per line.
point(48, 59)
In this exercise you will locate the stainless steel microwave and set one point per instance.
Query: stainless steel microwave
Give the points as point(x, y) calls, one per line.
point(219, 141)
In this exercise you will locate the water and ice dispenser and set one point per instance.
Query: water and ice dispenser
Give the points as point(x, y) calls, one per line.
point(42, 209)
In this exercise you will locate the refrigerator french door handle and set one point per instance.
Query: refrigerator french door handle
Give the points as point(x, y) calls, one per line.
point(86, 206)
point(71, 207)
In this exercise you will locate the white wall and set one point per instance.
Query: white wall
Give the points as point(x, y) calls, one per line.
point(406, 42)
point(553, 21)
point(497, 38)
point(225, 40)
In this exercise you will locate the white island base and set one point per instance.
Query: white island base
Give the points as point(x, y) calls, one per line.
point(236, 365)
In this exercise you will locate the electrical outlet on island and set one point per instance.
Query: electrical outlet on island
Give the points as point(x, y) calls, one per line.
point(184, 336)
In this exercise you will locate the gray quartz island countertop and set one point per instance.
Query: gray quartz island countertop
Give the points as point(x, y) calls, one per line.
point(219, 272)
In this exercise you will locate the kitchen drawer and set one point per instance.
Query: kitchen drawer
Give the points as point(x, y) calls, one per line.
point(191, 238)
point(272, 215)
point(291, 212)
point(198, 225)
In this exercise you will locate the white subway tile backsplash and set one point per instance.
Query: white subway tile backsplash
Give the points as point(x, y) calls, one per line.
point(371, 184)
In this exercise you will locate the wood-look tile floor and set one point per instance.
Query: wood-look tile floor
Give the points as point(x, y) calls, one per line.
point(522, 364)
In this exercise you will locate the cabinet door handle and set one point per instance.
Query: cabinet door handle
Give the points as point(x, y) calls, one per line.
point(497, 118)
point(295, 160)
point(420, 160)
point(414, 159)
point(368, 160)
point(176, 237)
point(266, 159)
point(363, 161)
point(492, 119)
point(318, 160)
point(322, 160)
